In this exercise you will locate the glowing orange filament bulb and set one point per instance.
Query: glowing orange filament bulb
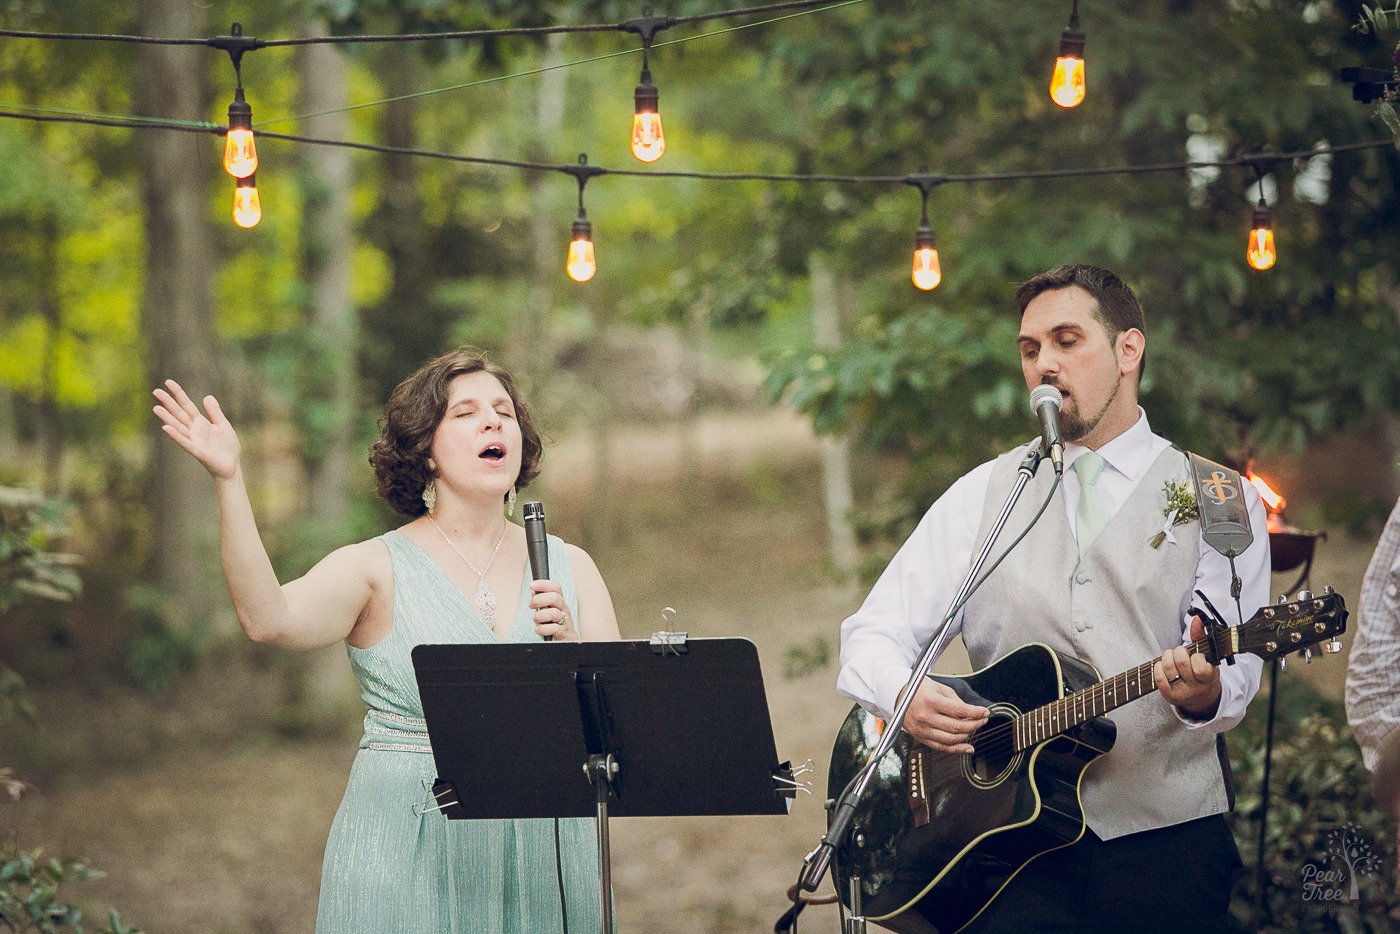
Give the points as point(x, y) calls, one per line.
point(927, 273)
point(240, 154)
point(1067, 82)
point(247, 207)
point(581, 264)
point(648, 142)
point(1261, 253)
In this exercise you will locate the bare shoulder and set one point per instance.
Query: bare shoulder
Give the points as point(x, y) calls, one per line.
point(366, 561)
point(580, 561)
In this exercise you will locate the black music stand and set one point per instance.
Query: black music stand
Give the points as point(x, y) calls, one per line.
point(659, 728)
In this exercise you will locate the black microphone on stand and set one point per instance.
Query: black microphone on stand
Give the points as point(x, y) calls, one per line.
point(535, 542)
point(1046, 401)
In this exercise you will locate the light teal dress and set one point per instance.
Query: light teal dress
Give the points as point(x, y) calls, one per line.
point(392, 867)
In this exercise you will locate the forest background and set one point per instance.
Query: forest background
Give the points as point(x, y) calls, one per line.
point(750, 405)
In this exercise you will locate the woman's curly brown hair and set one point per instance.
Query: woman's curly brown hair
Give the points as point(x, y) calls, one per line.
point(416, 408)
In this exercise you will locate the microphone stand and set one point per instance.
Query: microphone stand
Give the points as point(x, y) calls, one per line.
point(815, 865)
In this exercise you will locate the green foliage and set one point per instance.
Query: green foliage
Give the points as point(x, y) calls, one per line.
point(30, 900)
point(166, 645)
point(29, 523)
point(1238, 361)
point(1320, 792)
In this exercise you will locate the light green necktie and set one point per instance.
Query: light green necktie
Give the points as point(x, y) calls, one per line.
point(1092, 514)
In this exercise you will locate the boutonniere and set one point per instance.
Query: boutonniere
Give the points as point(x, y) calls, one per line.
point(1180, 509)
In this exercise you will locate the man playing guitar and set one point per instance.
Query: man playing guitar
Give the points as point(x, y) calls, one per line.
point(1093, 579)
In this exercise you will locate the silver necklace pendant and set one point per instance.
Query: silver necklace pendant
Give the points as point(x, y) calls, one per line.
point(485, 602)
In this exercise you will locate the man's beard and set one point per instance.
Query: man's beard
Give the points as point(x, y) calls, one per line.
point(1074, 427)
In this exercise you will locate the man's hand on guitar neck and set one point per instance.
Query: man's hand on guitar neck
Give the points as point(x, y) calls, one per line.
point(1189, 682)
point(939, 719)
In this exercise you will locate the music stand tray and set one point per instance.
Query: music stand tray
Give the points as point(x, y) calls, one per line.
point(640, 728)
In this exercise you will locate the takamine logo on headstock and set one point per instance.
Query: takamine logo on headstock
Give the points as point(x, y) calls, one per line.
point(1289, 626)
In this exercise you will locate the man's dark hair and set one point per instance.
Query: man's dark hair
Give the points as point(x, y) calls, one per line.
point(416, 408)
point(1117, 308)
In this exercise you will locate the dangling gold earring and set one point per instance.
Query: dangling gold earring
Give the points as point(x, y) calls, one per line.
point(430, 495)
point(510, 502)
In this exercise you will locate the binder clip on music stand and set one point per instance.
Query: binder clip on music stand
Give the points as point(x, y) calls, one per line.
point(665, 727)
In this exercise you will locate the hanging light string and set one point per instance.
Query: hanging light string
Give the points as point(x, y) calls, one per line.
point(245, 43)
point(53, 115)
point(812, 5)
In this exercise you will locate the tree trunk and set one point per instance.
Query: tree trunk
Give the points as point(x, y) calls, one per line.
point(829, 293)
point(528, 347)
point(50, 424)
point(177, 307)
point(314, 691)
point(406, 328)
point(326, 250)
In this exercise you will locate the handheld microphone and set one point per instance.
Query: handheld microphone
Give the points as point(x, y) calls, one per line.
point(1045, 403)
point(535, 542)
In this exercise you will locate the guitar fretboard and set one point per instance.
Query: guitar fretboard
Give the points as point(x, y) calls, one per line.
point(1056, 717)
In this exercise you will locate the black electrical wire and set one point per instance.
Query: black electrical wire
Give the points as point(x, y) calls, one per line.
point(136, 123)
point(425, 36)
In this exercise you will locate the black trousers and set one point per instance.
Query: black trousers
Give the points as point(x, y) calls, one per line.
point(1176, 879)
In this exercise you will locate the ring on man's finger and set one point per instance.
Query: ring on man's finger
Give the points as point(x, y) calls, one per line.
point(1174, 680)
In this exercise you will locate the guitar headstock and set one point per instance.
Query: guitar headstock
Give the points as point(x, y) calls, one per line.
point(1291, 626)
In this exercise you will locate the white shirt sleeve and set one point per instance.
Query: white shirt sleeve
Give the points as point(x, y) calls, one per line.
point(1238, 682)
point(881, 641)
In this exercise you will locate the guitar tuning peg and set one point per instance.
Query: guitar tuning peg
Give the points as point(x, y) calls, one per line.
point(1304, 596)
point(1332, 646)
point(1327, 589)
point(1307, 656)
point(1283, 664)
point(1282, 599)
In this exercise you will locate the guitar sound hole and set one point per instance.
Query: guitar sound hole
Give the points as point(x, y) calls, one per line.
point(994, 754)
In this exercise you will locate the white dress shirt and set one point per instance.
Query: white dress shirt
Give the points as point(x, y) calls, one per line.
point(883, 639)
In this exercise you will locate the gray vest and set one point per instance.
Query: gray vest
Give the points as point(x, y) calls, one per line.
point(1120, 606)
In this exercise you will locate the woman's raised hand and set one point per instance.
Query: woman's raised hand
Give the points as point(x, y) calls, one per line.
point(210, 440)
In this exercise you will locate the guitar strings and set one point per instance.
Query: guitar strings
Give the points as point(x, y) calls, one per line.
point(1001, 739)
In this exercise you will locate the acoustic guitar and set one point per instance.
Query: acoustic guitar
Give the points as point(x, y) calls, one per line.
point(938, 835)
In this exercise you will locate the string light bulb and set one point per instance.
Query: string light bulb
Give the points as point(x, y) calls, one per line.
point(1067, 82)
point(581, 263)
point(247, 206)
point(240, 152)
point(927, 271)
point(1260, 253)
point(648, 141)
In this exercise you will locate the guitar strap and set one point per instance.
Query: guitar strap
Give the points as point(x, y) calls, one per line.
point(1220, 501)
point(1224, 517)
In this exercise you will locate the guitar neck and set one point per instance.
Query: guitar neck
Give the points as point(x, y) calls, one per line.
point(1052, 719)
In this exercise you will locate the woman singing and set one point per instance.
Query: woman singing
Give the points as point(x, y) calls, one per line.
point(456, 443)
